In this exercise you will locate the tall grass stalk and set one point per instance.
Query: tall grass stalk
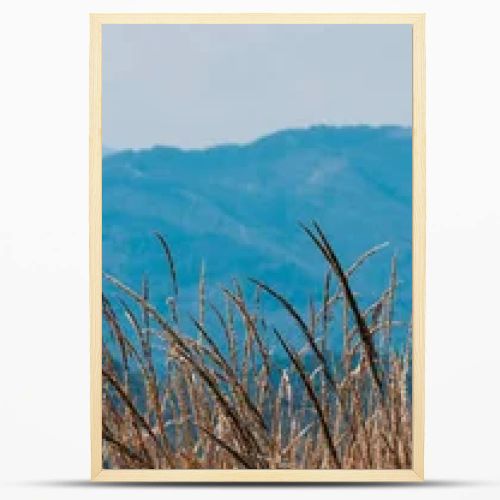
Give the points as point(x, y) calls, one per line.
point(237, 404)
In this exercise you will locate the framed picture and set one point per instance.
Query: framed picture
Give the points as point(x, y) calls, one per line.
point(257, 247)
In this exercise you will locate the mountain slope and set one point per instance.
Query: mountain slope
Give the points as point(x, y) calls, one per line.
point(237, 207)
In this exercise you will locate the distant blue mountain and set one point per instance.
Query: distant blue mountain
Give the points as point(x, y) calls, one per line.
point(237, 207)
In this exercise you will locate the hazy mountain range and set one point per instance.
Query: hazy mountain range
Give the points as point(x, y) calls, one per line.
point(237, 207)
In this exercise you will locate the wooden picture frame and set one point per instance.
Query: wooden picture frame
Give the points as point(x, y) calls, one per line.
point(98, 473)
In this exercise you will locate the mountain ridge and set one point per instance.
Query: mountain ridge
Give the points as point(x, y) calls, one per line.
point(109, 151)
point(236, 207)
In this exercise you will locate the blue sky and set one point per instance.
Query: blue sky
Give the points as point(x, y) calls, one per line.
point(194, 86)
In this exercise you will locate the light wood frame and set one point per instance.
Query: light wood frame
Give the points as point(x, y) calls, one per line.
point(296, 475)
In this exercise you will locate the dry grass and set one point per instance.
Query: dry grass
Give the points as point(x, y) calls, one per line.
point(238, 404)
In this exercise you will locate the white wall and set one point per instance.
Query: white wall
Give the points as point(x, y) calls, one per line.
point(44, 443)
